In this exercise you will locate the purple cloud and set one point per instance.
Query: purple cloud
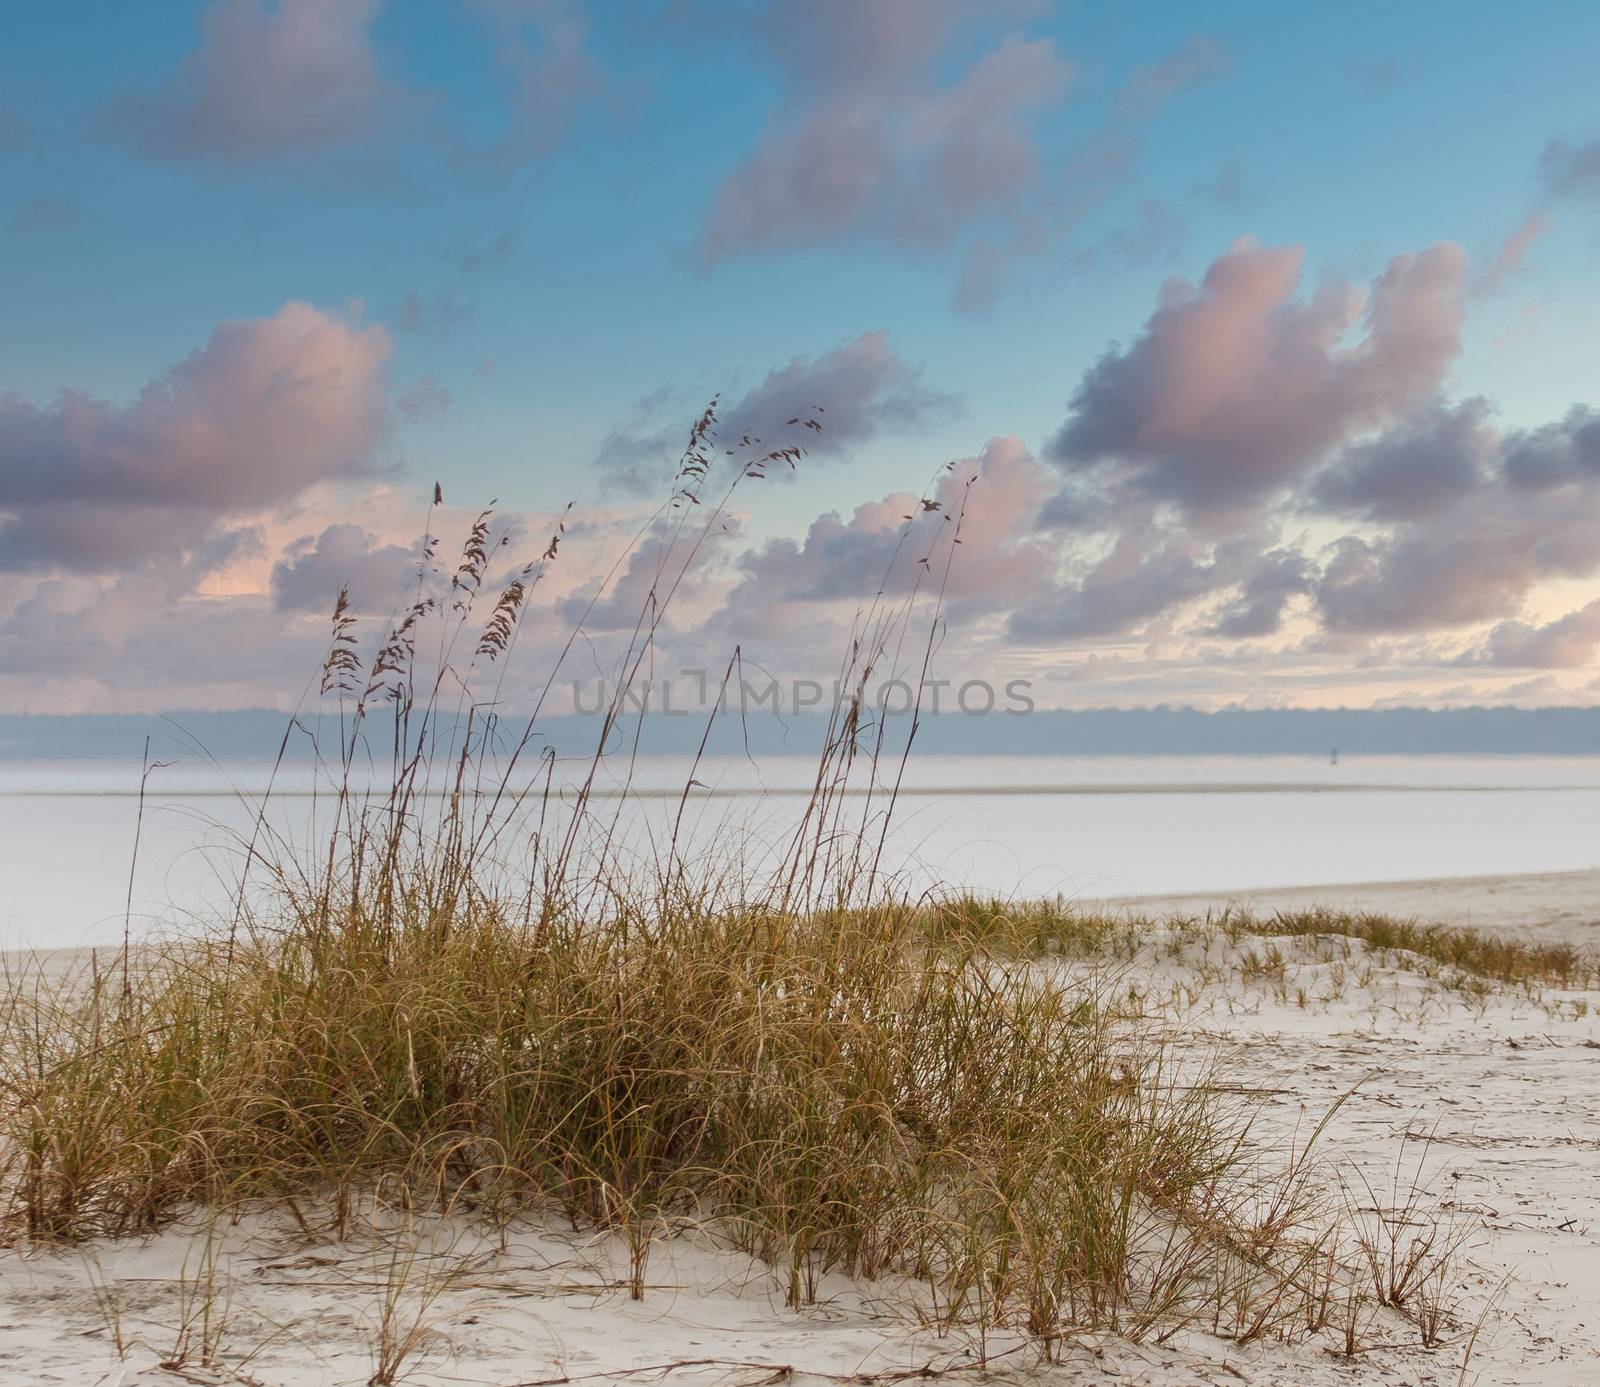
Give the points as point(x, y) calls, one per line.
point(872, 139)
point(1569, 642)
point(1235, 387)
point(314, 568)
point(266, 82)
point(864, 387)
point(1424, 464)
point(265, 409)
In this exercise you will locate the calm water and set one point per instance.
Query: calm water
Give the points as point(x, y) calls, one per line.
point(1088, 827)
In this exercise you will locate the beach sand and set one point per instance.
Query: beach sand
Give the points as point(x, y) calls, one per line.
point(1555, 907)
point(1488, 1106)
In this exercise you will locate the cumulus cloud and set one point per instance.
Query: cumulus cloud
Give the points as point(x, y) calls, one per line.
point(1141, 577)
point(788, 586)
point(873, 138)
point(265, 409)
point(864, 387)
point(1476, 562)
point(638, 593)
point(1272, 580)
point(314, 568)
point(266, 82)
point(1555, 454)
point(1424, 464)
point(1235, 386)
point(879, 548)
point(1569, 642)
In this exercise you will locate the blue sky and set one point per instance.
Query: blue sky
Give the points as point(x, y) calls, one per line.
point(541, 277)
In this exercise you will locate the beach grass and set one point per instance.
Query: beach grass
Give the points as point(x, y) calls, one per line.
point(465, 998)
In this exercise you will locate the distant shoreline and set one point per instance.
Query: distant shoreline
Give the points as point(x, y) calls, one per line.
point(1158, 731)
point(1177, 787)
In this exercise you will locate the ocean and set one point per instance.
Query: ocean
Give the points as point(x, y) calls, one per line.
point(1082, 827)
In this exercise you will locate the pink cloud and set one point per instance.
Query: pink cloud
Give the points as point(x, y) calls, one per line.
point(864, 387)
point(1235, 386)
point(1569, 642)
point(871, 139)
point(1513, 253)
point(313, 570)
point(267, 408)
point(847, 561)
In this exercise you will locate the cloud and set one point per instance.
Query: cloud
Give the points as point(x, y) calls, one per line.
point(1139, 579)
point(880, 549)
point(1235, 386)
point(264, 410)
point(1513, 254)
point(314, 568)
point(864, 387)
point(1271, 582)
point(423, 401)
point(1555, 454)
point(1085, 182)
point(266, 82)
point(1425, 463)
point(1476, 562)
point(542, 46)
point(1197, 59)
point(873, 138)
point(788, 586)
point(1569, 642)
point(1501, 516)
point(434, 317)
point(1569, 170)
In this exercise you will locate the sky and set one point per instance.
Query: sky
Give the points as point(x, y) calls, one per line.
point(1248, 348)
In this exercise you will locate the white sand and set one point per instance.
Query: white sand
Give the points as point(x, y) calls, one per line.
point(1553, 906)
point(1496, 1102)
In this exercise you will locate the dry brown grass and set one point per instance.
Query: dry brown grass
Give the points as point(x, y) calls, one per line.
point(462, 999)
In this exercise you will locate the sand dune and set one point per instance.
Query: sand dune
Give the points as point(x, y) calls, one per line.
point(1485, 1105)
point(1551, 906)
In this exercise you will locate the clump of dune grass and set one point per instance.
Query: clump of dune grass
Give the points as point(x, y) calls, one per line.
point(1042, 926)
point(1481, 955)
point(467, 996)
